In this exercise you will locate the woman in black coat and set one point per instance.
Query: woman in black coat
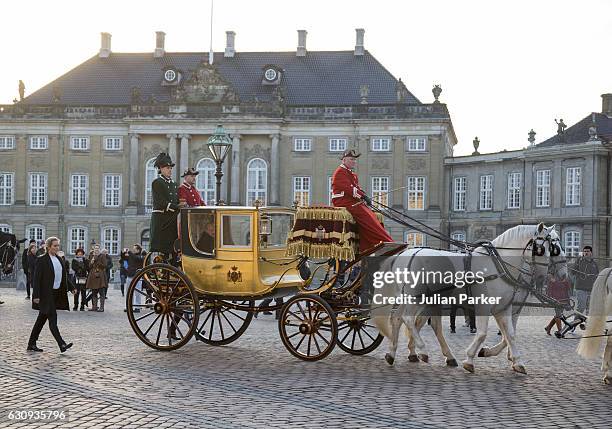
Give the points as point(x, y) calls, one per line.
point(50, 294)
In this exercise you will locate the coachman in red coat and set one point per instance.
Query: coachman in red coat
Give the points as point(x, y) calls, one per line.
point(346, 192)
point(187, 191)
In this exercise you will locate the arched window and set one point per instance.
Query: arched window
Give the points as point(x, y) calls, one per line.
point(150, 176)
point(77, 238)
point(4, 227)
point(414, 239)
point(206, 180)
point(145, 238)
point(35, 232)
point(257, 181)
point(571, 243)
point(111, 239)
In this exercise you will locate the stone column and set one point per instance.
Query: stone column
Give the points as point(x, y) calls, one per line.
point(134, 169)
point(274, 171)
point(172, 151)
point(184, 164)
point(235, 191)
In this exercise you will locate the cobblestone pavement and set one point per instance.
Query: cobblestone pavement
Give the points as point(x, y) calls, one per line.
point(110, 379)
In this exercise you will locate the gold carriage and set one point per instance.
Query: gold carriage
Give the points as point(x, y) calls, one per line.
point(230, 257)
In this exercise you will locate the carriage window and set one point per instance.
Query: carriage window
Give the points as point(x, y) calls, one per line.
point(236, 230)
point(202, 231)
point(281, 225)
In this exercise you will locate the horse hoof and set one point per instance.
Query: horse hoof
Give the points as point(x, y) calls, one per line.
point(519, 368)
point(390, 359)
point(469, 367)
point(424, 358)
point(607, 380)
point(451, 362)
point(413, 358)
point(482, 352)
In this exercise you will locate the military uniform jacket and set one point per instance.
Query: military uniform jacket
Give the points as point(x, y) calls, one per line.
point(163, 219)
point(190, 194)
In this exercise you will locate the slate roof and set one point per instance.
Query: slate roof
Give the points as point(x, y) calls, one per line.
point(320, 77)
point(579, 132)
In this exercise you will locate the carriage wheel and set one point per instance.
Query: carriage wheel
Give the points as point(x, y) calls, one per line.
point(357, 335)
point(168, 309)
point(308, 327)
point(220, 323)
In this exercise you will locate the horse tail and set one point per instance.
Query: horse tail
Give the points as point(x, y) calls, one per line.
point(589, 347)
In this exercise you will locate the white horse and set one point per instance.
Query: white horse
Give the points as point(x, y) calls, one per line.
point(511, 244)
point(599, 309)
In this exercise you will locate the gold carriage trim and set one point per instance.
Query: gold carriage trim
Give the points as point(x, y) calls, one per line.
point(323, 232)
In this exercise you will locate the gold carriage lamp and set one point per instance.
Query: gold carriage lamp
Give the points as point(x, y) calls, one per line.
point(265, 225)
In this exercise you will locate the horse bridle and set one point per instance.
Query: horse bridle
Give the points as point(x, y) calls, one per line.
point(536, 245)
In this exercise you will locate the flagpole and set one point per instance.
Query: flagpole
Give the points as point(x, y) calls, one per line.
point(210, 52)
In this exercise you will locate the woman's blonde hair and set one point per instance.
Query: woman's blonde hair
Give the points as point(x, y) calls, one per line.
point(50, 241)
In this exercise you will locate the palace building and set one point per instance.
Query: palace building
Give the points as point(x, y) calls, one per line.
point(76, 156)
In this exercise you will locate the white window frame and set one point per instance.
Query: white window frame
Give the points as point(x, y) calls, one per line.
point(108, 244)
point(338, 144)
point(485, 200)
point(5, 227)
point(380, 186)
point(7, 142)
point(417, 144)
point(414, 239)
point(515, 181)
point(150, 176)
point(457, 236)
point(381, 144)
point(39, 142)
point(573, 186)
point(571, 243)
point(543, 188)
point(7, 192)
point(416, 186)
point(302, 188)
point(205, 181)
point(302, 144)
point(44, 189)
point(78, 243)
point(82, 188)
point(109, 143)
point(459, 193)
point(79, 143)
point(257, 191)
point(114, 192)
point(35, 226)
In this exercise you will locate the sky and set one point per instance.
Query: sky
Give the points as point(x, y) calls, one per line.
point(504, 67)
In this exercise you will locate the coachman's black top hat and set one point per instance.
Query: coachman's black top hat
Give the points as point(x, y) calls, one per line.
point(162, 160)
point(190, 172)
point(350, 152)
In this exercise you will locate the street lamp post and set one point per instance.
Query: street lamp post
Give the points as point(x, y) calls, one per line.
point(219, 145)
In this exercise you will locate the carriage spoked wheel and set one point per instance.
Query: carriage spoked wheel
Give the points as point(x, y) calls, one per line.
point(168, 307)
point(356, 333)
point(308, 327)
point(221, 322)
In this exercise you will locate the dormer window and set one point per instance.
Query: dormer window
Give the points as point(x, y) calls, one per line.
point(170, 76)
point(271, 75)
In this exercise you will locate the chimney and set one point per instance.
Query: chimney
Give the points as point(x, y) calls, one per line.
point(230, 37)
point(160, 40)
point(105, 45)
point(606, 104)
point(359, 41)
point(301, 49)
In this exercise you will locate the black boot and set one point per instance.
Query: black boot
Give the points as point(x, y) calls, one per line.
point(64, 347)
point(33, 348)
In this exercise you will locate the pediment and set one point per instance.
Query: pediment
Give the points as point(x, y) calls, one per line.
point(205, 85)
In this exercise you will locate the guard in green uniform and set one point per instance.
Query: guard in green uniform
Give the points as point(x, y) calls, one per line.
point(166, 207)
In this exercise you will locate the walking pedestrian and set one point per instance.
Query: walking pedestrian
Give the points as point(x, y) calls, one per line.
point(135, 261)
point(123, 265)
point(558, 289)
point(80, 266)
point(26, 270)
point(107, 271)
point(50, 293)
point(96, 280)
point(585, 271)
